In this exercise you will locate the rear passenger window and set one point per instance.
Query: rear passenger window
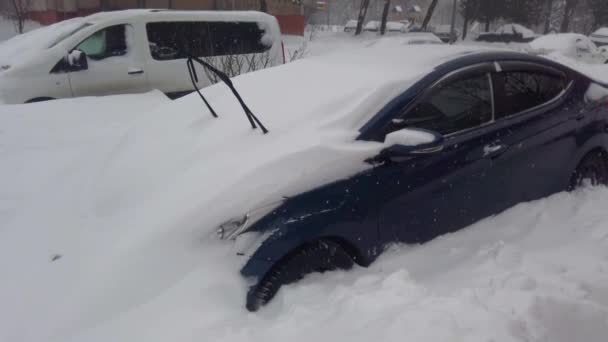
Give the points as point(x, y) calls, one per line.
point(457, 106)
point(519, 91)
point(175, 40)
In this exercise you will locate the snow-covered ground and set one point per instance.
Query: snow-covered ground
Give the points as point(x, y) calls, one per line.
point(90, 248)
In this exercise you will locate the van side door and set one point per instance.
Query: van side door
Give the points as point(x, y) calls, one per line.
point(114, 63)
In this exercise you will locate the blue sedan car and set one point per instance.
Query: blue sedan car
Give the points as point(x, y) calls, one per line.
point(495, 128)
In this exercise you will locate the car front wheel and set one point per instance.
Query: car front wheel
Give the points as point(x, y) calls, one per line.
point(317, 256)
point(593, 170)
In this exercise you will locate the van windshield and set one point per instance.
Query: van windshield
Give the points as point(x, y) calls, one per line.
point(68, 32)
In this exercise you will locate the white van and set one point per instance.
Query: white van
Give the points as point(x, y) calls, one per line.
point(134, 51)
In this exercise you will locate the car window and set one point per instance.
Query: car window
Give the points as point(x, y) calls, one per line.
point(520, 91)
point(109, 42)
point(457, 106)
point(175, 40)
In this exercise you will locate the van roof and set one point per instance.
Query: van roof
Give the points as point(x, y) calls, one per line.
point(178, 14)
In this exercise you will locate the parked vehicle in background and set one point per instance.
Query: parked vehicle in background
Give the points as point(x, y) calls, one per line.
point(133, 51)
point(444, 32)
point(351, 26)
point(395, 27)
point(413, 38)
point(600, 37)
point(372, 26)
point(573, 45)
point(510, 33)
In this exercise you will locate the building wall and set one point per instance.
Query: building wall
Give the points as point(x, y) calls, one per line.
point(50, 11)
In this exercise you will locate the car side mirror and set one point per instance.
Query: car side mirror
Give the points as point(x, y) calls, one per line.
point(408, 142)
point(77, 60)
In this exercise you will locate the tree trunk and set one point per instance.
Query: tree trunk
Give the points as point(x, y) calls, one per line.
point(549, 13)
point(465, 25)
point(263, 6)
point(387, 5)
point(488, 22)
point(361, 18)
point(429, 14)
point(568, 12)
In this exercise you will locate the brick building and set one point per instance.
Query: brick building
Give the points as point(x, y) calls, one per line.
point(288, 13)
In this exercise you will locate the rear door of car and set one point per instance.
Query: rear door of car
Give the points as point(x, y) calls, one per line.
point(536, 121)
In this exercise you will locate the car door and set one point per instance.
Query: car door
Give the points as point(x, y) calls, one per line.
point(429, 194)
point(537, 120)
point(114, 64)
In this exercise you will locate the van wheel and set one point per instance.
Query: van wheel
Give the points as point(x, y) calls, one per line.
point(317, 256)
point(593, 170)
point(39, 99)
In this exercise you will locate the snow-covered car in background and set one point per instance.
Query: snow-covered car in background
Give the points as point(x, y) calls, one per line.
point(572, 45)
point(372, 26)
point(444, 32)
point(396, 27)
point(413, 38)
point(132, 51)
point(510, 33)
point(600, 37)
point(350, 26)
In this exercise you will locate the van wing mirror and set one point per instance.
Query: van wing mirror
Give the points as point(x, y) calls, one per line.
point(77, 60)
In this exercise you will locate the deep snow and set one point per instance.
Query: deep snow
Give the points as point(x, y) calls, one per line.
point(108, 206)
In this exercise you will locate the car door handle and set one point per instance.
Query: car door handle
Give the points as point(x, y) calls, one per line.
point(494, 150)
point(135, 71)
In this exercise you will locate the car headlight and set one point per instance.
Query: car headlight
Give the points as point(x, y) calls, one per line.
point(232, 228)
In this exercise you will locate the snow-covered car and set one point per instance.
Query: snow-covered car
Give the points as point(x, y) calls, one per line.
point(403, 150)
point(510, 33)
point(572, 45)
point(396, 27)
point(600, 37)
point(372, 26)
point(133, 51)
point(444, 32)
point(413, 38)
point(351, 26)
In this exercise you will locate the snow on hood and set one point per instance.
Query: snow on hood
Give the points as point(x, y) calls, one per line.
point(22, 48)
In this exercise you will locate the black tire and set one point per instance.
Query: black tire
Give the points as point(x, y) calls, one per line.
point(593, 169)
point(318, 256)
point(40, 99)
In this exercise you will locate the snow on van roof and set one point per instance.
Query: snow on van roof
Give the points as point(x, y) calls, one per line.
point(177, 14)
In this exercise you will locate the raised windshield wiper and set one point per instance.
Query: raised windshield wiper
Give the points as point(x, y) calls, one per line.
point(253, 120)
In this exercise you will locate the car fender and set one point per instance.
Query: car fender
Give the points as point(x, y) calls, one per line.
point(349, 225)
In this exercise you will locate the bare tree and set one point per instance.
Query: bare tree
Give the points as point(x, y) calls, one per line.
point(568, 13)
point(387, 5)
point(263, 6)
point(429, 14)
point(18, 11)
point(362, 14)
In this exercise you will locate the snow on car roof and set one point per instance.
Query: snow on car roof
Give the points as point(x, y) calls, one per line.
point(557, 42)
point(517, 28)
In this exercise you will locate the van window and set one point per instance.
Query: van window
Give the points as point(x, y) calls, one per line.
point(522, 90)
point(175, 40)
point(109, 42)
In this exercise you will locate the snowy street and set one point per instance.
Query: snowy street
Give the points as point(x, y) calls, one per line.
point(109, 208)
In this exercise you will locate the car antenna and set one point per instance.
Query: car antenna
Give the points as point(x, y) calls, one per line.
point(253, 120)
